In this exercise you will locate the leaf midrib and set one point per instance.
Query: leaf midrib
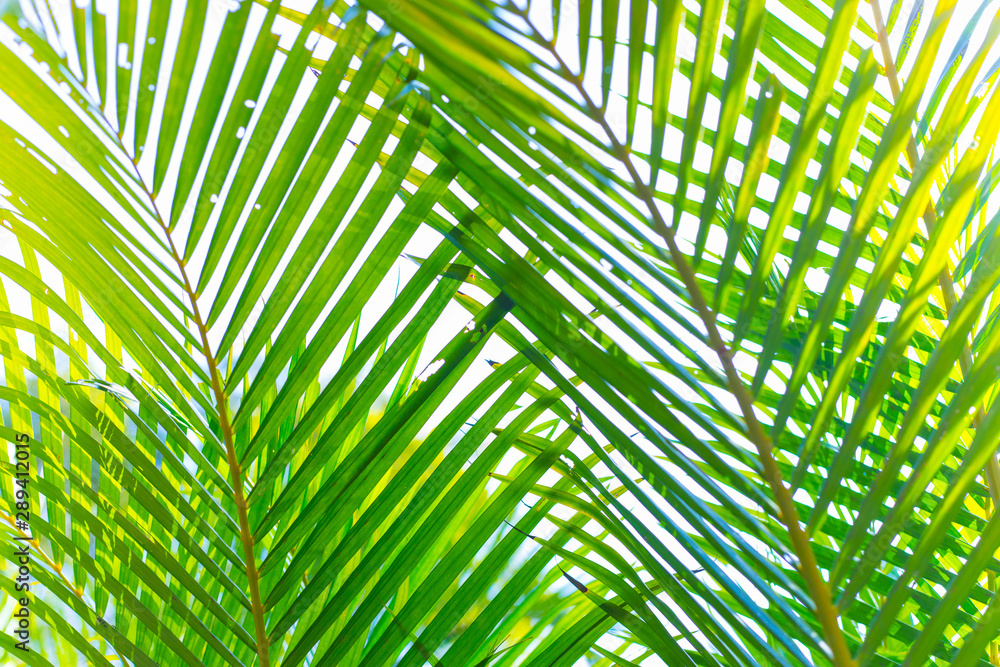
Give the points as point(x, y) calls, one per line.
point(225, 426)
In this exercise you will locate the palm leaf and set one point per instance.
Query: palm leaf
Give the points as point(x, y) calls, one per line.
point(255, 256)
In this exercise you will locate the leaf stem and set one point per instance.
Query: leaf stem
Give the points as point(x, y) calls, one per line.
point(826, 612)
point(930, 218)
point(225, 425)
point(947, 289)
point(56, 567)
